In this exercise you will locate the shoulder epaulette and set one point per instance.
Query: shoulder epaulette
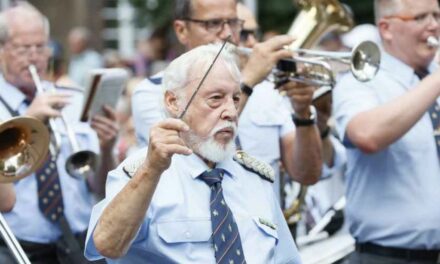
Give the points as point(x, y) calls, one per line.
point(252, 164)
point(132, 165)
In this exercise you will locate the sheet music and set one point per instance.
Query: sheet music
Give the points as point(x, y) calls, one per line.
point(105, 87)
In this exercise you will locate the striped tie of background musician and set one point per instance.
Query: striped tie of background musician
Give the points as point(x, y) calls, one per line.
point(50, 198)
point(434, 114)
point(225, 236)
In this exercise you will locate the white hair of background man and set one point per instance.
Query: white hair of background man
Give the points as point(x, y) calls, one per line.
point(383, 8)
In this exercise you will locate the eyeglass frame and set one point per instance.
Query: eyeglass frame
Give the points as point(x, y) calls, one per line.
point(255, 32)
point(204, 23)
point(25, 49)
point(420, 19)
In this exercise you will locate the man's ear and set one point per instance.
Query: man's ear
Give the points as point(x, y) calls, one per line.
point(181, 30)
point(384, 30)
point(171, 103)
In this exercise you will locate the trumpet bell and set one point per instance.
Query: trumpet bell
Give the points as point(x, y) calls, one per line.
point(82, 164)
point(365, 61)
point(23, 147)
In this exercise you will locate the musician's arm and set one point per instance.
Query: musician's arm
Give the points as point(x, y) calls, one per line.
point(376, 129)
point(7, 197)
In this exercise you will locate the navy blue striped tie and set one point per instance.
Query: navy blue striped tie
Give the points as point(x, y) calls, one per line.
point(225, 236)
point(434, 114)
point(50, 198)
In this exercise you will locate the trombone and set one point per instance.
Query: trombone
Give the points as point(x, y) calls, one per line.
point(23, 148)
point(81, 163)
point(312, 67)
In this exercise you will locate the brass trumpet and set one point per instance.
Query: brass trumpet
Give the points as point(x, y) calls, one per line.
point(81, 163)
point(23, 149)
point(363, 60)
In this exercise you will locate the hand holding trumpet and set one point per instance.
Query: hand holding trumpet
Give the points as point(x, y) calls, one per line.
point(264, 57)
point(47, 105)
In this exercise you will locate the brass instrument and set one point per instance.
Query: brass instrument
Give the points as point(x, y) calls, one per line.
point(363, 60)
point(81, 163)
point(23, 149)
point(315, 19)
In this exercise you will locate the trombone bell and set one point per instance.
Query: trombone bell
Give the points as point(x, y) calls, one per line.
point(23, 147)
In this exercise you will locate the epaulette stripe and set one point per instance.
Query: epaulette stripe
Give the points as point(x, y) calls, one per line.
point(251, 164)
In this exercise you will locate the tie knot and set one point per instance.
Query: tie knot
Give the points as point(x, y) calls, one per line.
point(421, 73)
point(212, 176)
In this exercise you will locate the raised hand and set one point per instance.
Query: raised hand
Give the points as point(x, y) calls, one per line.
point(165, 141)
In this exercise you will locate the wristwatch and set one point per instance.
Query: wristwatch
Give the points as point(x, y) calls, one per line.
point(246, 89)
point(310, 121)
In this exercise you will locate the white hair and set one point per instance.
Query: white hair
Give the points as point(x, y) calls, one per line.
point(383, 8)
point(22, 8)
point(193, 65)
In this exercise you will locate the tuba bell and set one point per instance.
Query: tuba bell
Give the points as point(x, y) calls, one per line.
point(23, 148)
point(315, 19)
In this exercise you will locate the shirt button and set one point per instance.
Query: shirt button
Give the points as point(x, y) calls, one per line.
point(187, 234)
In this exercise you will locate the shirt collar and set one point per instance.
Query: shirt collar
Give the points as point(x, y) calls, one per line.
point(11, 94)
point(397, 68)
point(196, 166)
point(400, 70)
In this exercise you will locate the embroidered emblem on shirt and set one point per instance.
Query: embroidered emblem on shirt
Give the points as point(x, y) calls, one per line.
point(267, 223)
point(252, 164)
point(131, 167)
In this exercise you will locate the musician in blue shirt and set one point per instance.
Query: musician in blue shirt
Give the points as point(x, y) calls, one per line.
point(50, 205)
point(389, 128)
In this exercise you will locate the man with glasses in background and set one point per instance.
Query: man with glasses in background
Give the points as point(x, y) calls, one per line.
point(49, 210)
point(199, 22)
point(390, 127)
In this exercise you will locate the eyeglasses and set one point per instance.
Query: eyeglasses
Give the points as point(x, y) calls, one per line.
point(217, 25)
point(421, 19)
point(25, 50)
point(245, 33)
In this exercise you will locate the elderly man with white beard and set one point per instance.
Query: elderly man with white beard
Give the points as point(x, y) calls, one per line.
point(190, 198)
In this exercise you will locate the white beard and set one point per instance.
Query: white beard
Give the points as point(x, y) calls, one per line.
point(209, 148)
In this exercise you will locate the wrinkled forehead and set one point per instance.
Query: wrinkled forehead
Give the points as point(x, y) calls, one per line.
point(209, 9)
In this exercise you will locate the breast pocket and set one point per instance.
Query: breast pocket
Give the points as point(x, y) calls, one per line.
point(267, 228)
point(185, 231)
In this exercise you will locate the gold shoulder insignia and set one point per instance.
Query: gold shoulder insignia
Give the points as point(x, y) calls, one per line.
point(132, 165)
point(252, 164)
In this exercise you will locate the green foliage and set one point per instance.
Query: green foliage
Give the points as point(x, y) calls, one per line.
point(278, 14)
point(272, 14)
point(157, 13)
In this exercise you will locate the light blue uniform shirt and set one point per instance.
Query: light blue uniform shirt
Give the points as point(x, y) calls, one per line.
point(177, 225)
point(25, 219)
point(393, 196)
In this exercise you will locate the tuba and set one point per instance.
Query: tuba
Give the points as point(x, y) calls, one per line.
point(24, 142)
point(315, 19)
